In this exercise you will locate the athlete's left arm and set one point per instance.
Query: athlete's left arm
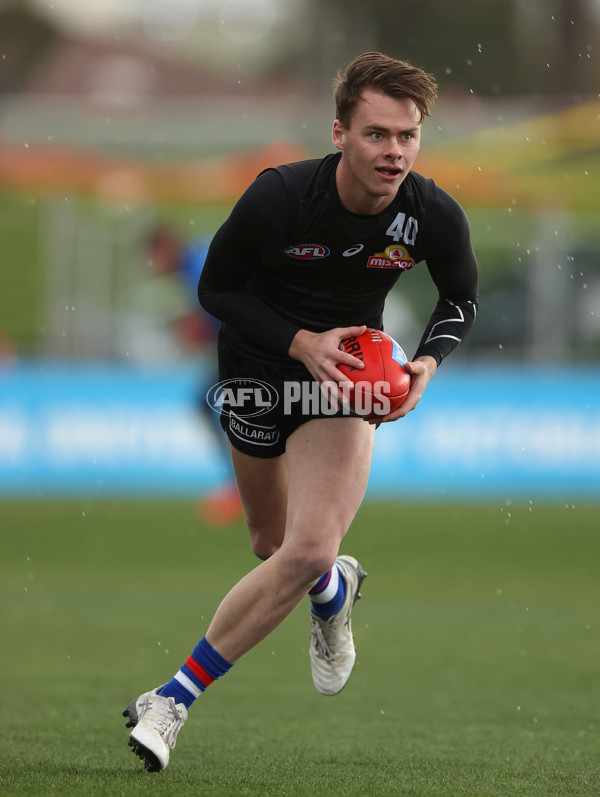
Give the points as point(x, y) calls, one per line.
point(453, 268)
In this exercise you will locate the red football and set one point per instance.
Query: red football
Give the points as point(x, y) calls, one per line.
point(383, 384)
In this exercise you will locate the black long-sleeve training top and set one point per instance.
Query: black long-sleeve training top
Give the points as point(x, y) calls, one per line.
point(291, 257)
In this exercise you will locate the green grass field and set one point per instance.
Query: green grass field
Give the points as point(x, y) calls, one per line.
point(478, 655)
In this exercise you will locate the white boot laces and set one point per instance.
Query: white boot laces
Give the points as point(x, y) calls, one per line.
point(168, 721)
point(322, 645)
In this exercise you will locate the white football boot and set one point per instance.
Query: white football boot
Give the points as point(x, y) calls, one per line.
point(332, 653)
point(156, 721)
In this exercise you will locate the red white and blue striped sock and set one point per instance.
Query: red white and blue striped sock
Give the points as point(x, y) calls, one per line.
point(204, 666)
point(327, 595)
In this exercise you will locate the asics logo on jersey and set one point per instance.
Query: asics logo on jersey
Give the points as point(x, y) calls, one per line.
point(392, 257)
point(353, 250)
point(307, 251)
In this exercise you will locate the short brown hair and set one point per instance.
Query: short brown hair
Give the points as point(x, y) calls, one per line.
point(379, 72)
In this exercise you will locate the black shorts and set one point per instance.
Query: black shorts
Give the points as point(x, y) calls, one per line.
point(264, 396)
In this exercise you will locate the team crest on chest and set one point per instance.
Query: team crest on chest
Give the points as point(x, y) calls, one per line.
point(392, 257)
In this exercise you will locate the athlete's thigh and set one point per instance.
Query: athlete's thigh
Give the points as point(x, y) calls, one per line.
point(262, 484)
point(328, 461)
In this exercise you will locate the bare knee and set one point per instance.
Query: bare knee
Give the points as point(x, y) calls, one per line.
point(306, 564)
point(265, 541)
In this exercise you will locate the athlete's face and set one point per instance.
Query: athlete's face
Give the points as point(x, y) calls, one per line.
point(378, 149)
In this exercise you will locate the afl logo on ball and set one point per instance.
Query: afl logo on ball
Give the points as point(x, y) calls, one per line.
point(307, 251)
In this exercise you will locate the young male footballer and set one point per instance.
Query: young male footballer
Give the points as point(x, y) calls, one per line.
point(306, 259)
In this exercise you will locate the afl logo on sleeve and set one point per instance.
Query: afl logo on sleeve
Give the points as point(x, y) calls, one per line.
point(307, 251)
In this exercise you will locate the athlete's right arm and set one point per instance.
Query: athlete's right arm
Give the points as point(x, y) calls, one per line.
point(320, 353)
point(261, 214)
